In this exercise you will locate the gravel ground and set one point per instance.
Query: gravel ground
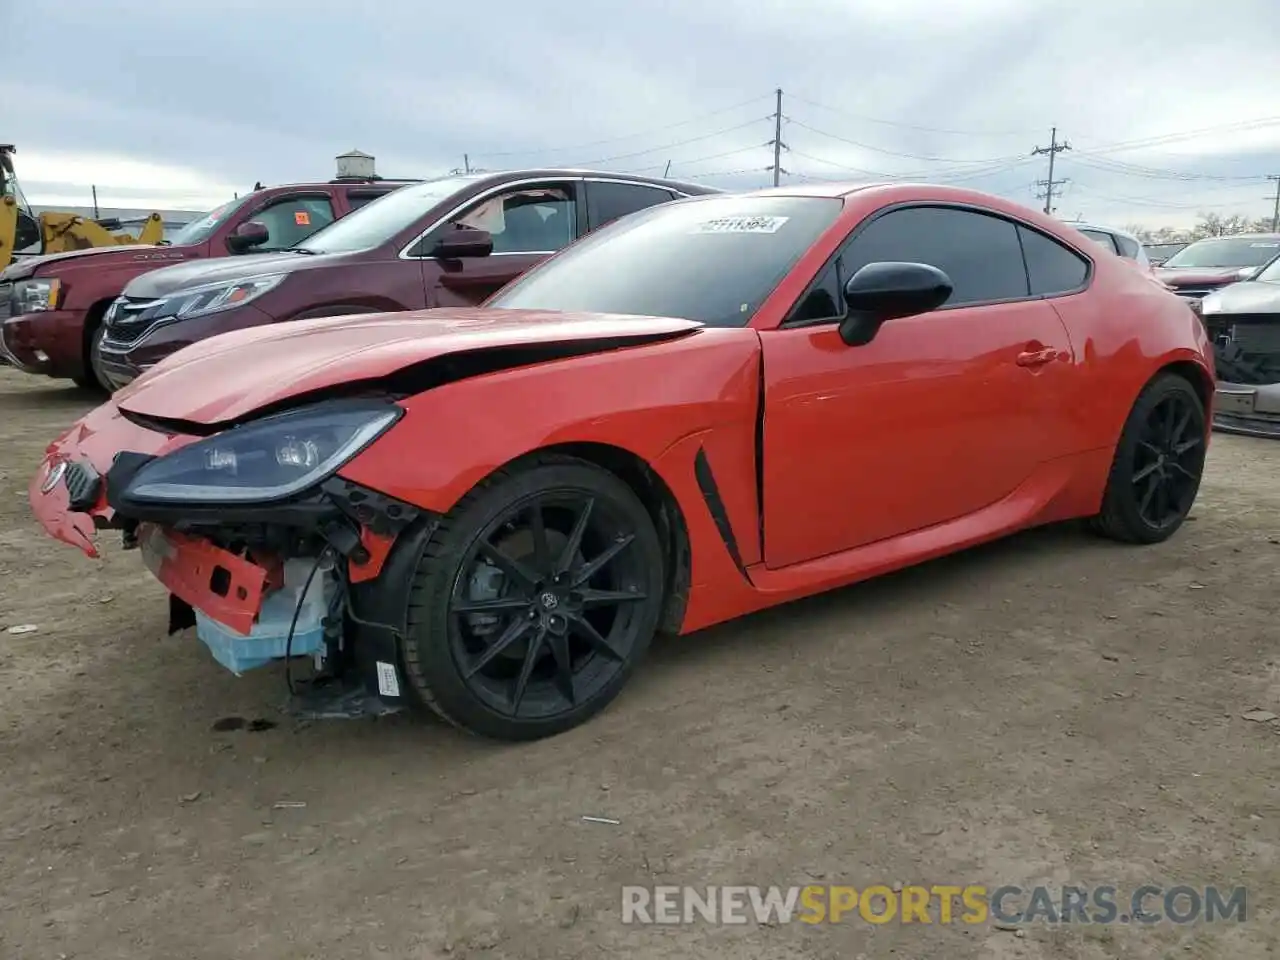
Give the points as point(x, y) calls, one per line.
point(1048, 710)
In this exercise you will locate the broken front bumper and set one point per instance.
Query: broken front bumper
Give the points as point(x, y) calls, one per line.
point(376, 543)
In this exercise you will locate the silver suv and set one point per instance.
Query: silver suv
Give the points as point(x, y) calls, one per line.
point(1119, 242)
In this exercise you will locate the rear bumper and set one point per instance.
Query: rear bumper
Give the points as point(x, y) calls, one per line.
point(50, 343)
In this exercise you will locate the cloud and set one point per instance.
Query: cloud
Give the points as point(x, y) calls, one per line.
point(202, 98)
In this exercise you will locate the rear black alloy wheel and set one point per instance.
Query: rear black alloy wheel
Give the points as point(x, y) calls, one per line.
point(1158, 464)
point(537, 597)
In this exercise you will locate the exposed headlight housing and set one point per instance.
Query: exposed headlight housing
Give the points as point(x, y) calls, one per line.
point(35, 295)
point(268, 460)
point(214, 297)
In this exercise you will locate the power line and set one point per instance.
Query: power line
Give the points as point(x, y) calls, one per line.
point(1050, 186)
point(893, 153)
point(910, 126)
point(668, 146)
point(629, 136)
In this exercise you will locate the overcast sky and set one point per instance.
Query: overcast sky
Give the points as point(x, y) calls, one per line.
point(1171, 108)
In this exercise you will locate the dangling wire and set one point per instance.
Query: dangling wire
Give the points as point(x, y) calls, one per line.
point(297, 612)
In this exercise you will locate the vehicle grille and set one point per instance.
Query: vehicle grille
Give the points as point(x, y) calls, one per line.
point(1254, 332)
point(1194, 293)
point(126, 320)
point(6, 308)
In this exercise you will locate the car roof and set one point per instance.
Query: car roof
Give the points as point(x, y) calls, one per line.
point(537, 173)
point(342, 182)
point(1089, 225)
point(1242, 236)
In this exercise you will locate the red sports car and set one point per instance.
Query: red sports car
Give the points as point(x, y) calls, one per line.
point(708, 408)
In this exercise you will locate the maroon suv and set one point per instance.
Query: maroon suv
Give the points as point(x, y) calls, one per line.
point(1200, 268)
point(447, 242)
point(51, 307)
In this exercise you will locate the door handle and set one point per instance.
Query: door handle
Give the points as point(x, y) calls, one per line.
point(1037, 358)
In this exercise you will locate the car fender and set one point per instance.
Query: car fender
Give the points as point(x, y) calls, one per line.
point(1114, 361)
point(643, 400)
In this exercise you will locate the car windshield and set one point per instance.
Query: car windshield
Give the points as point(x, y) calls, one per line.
point(713, 260)
point(1227, 252)
point(199, 230)
point(1271, 273)
point(377, 222)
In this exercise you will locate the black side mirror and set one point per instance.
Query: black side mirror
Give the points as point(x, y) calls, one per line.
point(886, 291)
point(248, 235)
point(463, 242)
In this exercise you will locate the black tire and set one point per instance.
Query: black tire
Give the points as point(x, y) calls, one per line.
point(1161, 454)
point(443, 632)
point(93, 377)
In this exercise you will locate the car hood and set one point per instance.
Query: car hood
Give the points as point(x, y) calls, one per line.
point(27, 266)
point(224, 379)
point(1196, 276)
point(1251, 296)
point(181, 276)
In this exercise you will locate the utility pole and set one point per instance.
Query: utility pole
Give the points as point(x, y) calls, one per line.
point(1275, 213)
point(1051, 186)
point(776, 142)
point(466, 162)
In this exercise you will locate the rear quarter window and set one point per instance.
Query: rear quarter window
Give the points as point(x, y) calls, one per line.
point(1052, 267)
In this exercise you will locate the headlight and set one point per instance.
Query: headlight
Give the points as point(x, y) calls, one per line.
point(35, 296)
point(214, 297)
point(267, 460)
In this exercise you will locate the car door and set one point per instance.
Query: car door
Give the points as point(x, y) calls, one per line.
point(528, 222)
point(938, 417)
point(607, 200)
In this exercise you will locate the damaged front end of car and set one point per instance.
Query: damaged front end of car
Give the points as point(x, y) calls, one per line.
point(265, 550)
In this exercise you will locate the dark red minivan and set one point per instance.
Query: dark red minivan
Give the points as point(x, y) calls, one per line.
point(440, 243)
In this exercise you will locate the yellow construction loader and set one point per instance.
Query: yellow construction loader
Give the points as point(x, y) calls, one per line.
point(21, 228)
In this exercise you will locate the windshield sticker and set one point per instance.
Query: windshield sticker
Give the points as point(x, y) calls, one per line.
point(1267, 245)
point(302, 218)
point(741, 225)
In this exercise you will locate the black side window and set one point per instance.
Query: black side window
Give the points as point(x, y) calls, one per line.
point(980, 253)
point(292, 219)
point(358, 200)
point(824, 300)
point(1128, 248)
point(609, 201)
point(1053, 268)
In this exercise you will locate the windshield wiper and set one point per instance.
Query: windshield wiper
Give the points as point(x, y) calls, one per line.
point(303, 250)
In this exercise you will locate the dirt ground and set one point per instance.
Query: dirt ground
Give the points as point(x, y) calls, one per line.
point(1051, 709)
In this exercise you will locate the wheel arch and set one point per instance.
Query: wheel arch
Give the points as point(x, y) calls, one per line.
point(1194, 374)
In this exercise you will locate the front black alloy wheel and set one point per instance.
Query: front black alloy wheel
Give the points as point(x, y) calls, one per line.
point(1158, 464)
point(535, 600)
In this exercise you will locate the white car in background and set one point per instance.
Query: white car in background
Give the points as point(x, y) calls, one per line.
point(1119, 242)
